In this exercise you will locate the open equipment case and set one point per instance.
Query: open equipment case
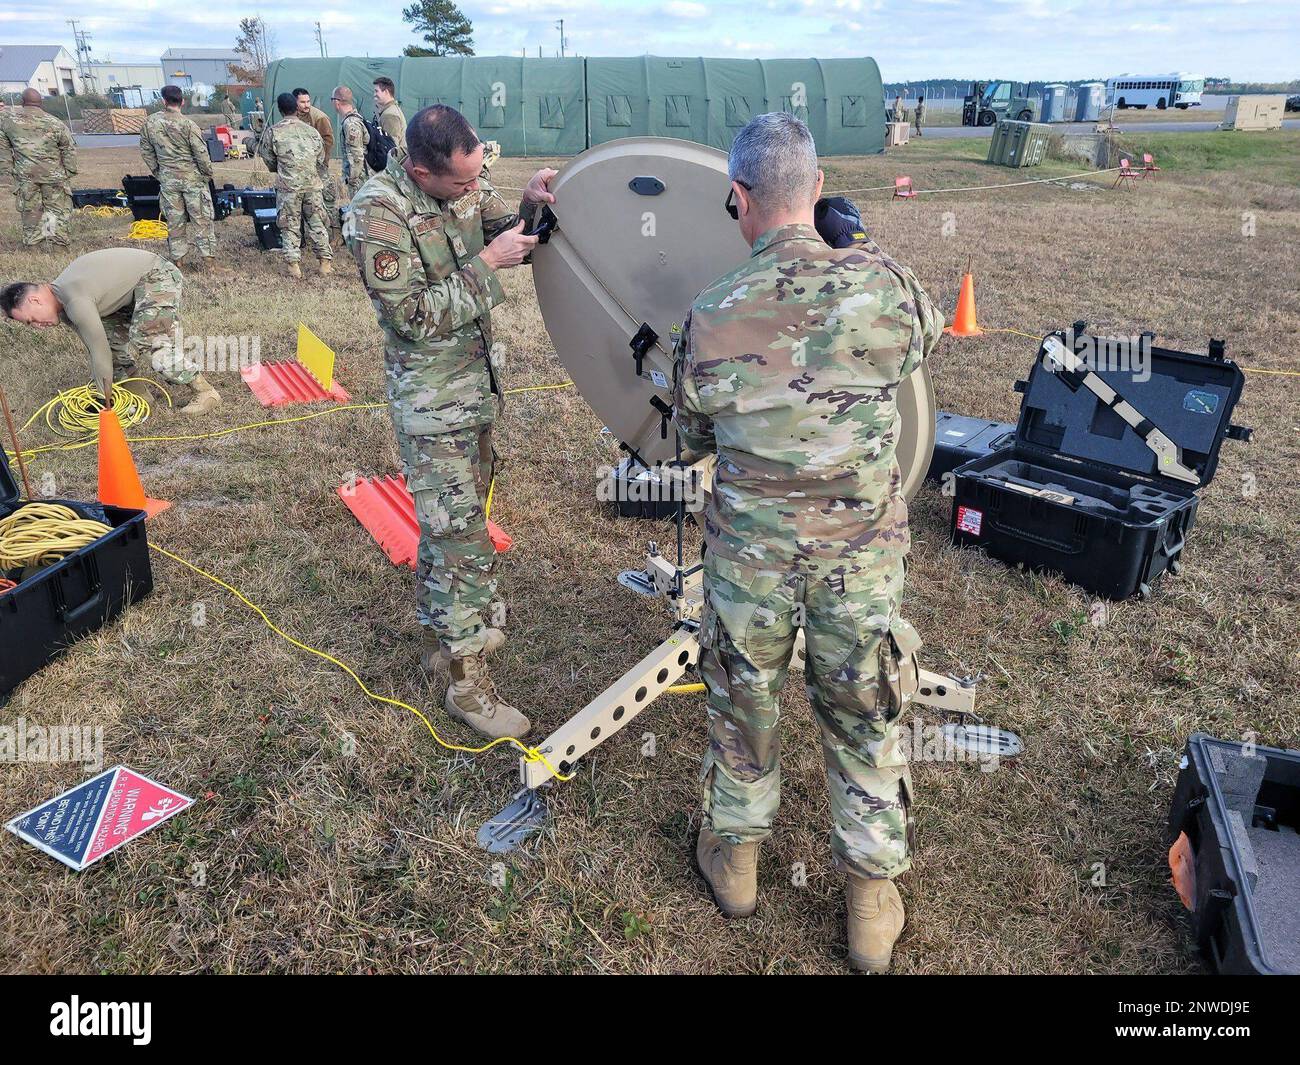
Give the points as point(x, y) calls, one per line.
point(1237, 808)
point(55, 605)
point(1100, 481)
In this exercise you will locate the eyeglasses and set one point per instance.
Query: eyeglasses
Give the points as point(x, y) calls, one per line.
point(730, 203)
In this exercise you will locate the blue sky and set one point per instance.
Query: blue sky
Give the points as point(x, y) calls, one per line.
point(1252, 40)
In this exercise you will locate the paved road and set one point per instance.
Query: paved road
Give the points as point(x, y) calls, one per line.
point(107, 140)
point(940, 132)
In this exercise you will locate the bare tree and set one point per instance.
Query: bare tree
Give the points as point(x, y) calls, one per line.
point(257, 47)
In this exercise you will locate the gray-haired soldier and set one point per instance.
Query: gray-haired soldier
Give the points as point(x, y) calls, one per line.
point(788, 368)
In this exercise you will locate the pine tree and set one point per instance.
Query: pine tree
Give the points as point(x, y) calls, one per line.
point(442, 25)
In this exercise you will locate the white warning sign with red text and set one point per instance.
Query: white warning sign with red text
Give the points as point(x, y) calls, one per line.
point(96, 817)
point(970, 520)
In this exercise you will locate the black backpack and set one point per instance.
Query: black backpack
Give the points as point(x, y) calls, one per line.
point(379, 147)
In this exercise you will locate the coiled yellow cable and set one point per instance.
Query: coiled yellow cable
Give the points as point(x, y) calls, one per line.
point(40, 533)
point(76, 411)
point(104, 211)
point(148, 229)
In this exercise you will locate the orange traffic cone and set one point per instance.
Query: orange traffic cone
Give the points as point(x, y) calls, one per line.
point(119, 484)
point(964, 324)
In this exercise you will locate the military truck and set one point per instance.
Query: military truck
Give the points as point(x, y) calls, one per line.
point(989, 101)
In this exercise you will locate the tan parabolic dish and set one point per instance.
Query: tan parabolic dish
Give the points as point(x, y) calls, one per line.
point(619, 258)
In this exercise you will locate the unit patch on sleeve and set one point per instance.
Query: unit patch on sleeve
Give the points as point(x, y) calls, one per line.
point(386, 265)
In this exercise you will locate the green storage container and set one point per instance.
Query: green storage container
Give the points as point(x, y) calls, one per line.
point(1019, 143)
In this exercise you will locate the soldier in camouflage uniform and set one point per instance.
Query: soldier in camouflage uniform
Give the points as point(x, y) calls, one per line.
point(293, 151)
point(429, 234)
point(176, 155)
point(900, 114)
point(320, 122)
point(38, 153)
point(918, 116)
point(788, 368)
point(354, 137)
point(124, 303)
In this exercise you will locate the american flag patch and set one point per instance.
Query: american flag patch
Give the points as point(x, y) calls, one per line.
point(382, 230)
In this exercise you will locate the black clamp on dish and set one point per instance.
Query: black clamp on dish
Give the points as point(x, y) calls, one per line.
point(665, 415)
point(545, 225)
point(640, 344)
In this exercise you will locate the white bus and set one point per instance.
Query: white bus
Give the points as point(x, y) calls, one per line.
point(1155, 90)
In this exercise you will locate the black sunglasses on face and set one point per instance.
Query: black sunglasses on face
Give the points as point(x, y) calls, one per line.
point(730, 203)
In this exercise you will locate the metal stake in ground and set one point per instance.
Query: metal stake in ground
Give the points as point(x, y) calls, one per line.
point(13, 435)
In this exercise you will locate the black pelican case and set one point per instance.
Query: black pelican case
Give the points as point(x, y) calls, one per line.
point(1078, 490)
point(1239, 807)
point(57, 604)
point(958, 439)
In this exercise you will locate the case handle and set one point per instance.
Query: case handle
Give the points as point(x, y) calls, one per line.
point(1064, 547)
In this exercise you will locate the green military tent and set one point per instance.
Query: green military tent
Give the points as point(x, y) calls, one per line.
point(546, 107)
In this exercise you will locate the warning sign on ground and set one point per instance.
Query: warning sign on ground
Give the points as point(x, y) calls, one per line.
point(95, 818)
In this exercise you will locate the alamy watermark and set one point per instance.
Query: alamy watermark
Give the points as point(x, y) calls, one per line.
point(1120, 354)
point(25, 741)
point(207, 353)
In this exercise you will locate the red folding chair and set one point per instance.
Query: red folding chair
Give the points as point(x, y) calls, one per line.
point(903, 188)
point(1149, 164)
point(1125, 171)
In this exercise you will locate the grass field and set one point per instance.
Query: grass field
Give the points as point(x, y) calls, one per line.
point(304, 853)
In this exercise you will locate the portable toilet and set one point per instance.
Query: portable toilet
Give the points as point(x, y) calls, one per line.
point(1053, 109)
point(1088, 102)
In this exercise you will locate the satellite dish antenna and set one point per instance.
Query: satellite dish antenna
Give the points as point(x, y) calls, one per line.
point(641, 232)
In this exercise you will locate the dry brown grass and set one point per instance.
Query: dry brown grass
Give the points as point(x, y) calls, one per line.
point(320, 862)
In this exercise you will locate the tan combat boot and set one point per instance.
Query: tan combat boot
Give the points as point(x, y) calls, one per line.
point(205, 398)
point(295, 270)
point(731, 870)
point(326, 267)
point(875, 922)
point(432, 653)
point(471, 698)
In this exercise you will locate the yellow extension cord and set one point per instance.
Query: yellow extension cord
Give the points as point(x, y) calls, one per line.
point(148, 229)
point(37, 534)
point(104, 211)
point(531, 754)
point(76, 411)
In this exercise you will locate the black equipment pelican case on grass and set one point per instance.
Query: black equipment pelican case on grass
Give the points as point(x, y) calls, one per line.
point(1240, 810)
point(144, 197)
point(958, 439)
point(59, 603)
point(1099, 483)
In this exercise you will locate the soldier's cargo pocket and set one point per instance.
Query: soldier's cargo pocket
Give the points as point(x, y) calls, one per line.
point(898, 668)
point(733, 593)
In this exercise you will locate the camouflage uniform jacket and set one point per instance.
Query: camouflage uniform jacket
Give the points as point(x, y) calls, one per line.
point(433, 294)
point(353, 138)
point(788, 367)
point(294, 151)
point(35, 147)
point(173, 147)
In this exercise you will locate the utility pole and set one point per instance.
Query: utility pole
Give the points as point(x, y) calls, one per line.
point(81, 42)
point(320, 41)
point(560, 25)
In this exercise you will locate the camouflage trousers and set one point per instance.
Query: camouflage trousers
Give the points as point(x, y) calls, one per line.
point(860, 672)
point(449, 475)
point(330, 196)
point(300, 209)
point(187, 209)
point(150, 326)
point(45, 208)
